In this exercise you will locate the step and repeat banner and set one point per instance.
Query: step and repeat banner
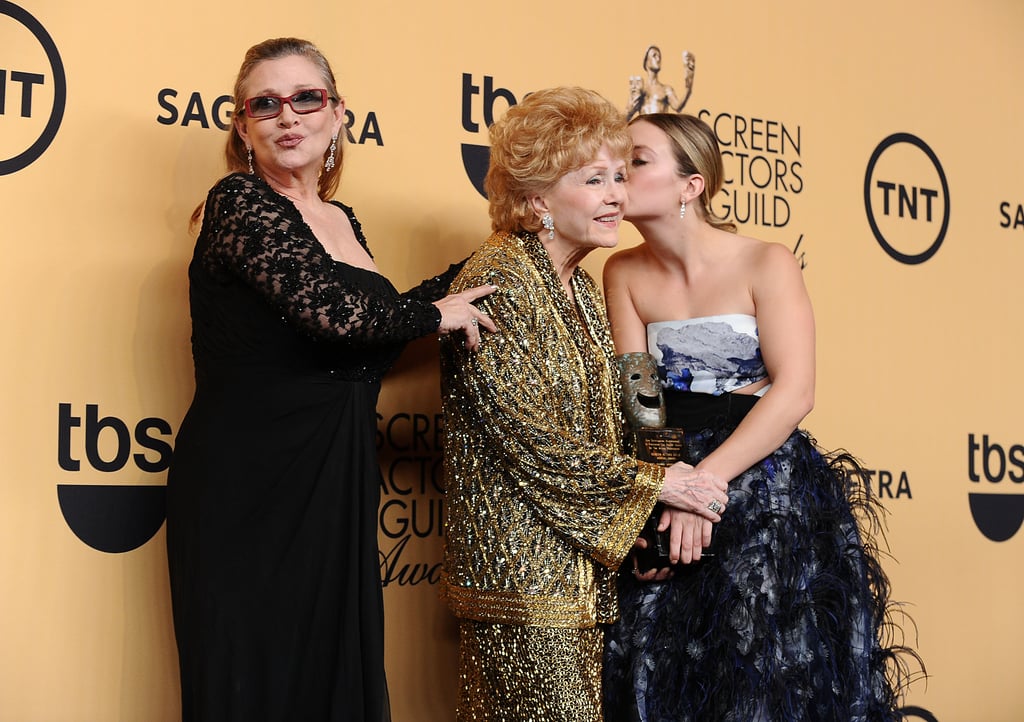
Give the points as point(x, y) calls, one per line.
point(880, 142)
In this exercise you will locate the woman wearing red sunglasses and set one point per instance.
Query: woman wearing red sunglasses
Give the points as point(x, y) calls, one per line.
point(274, 487)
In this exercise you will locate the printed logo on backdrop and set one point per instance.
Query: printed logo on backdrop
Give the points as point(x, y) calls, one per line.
point(763, 174)
point(113, 518)
point(906, 198)
point(479, 98)
point(995, 467)
point(887, 484)
point(1011, 215)
point(411, 513)
point(647, 92)
point(33, 89)
point(762, 156)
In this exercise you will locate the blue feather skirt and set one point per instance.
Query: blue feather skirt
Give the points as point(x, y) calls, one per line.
point(789, 620)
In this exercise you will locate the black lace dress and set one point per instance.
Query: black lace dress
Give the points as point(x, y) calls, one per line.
point(273, 490)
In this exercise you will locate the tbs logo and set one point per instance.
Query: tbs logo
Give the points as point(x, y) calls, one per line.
point(112, 518)
point(475, 158)
point(997, 515)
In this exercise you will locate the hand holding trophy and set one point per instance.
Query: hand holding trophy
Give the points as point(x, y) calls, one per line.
point(644, 408)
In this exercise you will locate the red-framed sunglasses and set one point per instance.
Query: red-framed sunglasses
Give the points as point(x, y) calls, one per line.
point(305, 101)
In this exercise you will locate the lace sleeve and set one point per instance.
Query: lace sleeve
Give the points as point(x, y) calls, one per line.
point(252, 234)
point(435, 288)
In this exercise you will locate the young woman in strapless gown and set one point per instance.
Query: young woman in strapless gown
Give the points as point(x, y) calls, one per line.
point(789, 619)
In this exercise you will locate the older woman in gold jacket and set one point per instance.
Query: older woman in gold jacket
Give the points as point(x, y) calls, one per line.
point(542, 505)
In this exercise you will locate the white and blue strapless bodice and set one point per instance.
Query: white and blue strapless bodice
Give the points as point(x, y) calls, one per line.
point(711, 355)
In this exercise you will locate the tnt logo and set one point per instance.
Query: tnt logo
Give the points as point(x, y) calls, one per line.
point(32, 89)
point(906, 198)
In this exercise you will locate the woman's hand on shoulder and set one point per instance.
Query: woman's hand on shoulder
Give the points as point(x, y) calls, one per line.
point(459, 314)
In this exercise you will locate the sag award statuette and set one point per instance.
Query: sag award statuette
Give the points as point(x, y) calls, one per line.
point(644, 407)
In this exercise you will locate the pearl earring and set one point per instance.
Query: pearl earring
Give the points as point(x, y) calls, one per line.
point(682, 209)
point(549, 224)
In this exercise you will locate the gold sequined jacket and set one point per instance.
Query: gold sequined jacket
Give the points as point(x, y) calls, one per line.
point(541, 503)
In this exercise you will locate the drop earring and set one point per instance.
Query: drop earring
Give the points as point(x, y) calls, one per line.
point(329, 163)
point(252, 171)
point(682, 209)
point(549, 224)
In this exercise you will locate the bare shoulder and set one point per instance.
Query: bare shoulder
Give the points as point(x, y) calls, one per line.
point(625, 263)
point(774, 273)
point(768, 257)
point(627, 256)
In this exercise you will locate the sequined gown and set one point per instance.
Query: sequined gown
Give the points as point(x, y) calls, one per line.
point(788, 620)
point(273, 490)
point(541, 503)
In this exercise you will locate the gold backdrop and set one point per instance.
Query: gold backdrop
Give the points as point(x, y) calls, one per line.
point(880, 141)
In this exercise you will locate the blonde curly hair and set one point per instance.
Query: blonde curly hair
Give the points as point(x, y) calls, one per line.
point(536, 142)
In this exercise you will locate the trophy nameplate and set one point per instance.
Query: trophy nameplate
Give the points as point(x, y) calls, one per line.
point(662, 446)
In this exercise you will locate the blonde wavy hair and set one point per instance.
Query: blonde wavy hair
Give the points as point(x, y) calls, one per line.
point(696, 151)
point(536, 142)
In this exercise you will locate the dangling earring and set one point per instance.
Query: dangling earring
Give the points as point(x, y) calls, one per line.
point(682, 209)
point(252, 171)
point(549, 224)
point(329, 163)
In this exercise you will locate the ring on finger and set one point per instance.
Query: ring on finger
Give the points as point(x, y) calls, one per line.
point(474, 322)
point(715, 506)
